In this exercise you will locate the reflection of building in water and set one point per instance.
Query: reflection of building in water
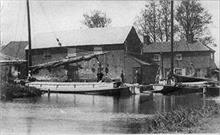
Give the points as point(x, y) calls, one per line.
point(167, 103)
point(146, 104)
point(29, 124)
point(138, 104)
point(126, 104)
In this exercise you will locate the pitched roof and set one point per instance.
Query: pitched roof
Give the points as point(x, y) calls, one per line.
point(82, 37)
point(179, 46)
point(15, 49)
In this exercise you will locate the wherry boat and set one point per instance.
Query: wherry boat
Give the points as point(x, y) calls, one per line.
point(97, 88)
point(100, 88)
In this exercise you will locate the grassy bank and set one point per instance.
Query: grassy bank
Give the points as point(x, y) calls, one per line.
point(181, 120)
point(10, 91)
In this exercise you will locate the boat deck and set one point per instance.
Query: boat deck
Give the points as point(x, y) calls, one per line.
point(100, 88)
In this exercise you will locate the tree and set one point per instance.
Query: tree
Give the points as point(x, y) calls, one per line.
point(193, 20)
point(96, 19)
point(146, 22)
point(155, 21)
point(165, 17)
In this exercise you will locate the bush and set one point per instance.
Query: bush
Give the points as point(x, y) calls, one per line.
point(10, 91)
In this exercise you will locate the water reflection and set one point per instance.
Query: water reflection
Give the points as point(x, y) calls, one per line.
point(69, 113)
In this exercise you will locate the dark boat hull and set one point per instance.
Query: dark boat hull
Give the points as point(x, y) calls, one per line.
point(180, 78)
point(213, 91)
point(168, 90)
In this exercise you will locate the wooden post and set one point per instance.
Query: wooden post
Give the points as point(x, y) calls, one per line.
point(48, 92)
point(204, 89)
point(29, 38)
point(172, 59)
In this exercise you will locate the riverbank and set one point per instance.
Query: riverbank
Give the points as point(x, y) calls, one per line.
point(210, 125)
point(195, 119)
point(10, 91)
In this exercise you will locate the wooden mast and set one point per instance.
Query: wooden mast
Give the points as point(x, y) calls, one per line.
point(172, 55)
point(29, 38)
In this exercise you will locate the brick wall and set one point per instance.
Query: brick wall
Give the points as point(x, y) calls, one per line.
point(115, 60)
point(201, 61)
point(40, 56)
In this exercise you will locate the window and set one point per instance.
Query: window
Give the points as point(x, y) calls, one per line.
point(178, 71)
point(71, 52)
point(212, 56)
point(156, 57)
point(97, 50)
point(179, 56)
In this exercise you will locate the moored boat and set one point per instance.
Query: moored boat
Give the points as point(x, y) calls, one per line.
point(164, 89)
point(97, 88)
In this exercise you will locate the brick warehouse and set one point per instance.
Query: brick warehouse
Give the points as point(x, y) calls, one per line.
point(122, 45)
point(190, 59)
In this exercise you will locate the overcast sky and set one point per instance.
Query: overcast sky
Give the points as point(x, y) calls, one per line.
point(59, 15)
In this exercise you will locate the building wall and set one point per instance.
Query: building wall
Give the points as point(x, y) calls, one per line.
point(40, 56)
point(115, 60)
point(149, 73)
point(130, 66)
point(201, 61)
point(12, 71)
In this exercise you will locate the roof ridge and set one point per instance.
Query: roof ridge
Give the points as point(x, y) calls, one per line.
point(179, 46)
point(85, 29)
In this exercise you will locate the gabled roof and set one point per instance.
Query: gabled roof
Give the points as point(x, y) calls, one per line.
point(15, 49)
point(179, 46)
point(82, 37)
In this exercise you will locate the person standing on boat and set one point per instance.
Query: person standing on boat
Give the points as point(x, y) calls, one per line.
point(106, 70)
point(122, 76)
point(138, 77)
point(99, 74)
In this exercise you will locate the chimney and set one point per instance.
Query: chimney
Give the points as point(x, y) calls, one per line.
point(146, 39)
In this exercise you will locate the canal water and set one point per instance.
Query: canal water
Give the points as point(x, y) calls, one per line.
point(71, 113)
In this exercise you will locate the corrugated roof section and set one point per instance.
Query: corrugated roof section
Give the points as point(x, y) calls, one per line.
point(179, 46)
point(90, 36)
point(9, 59)
point(15, 49)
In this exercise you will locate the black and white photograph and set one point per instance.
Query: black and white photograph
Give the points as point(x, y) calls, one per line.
point(109, 67)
